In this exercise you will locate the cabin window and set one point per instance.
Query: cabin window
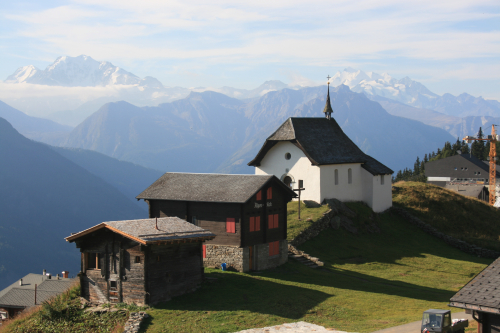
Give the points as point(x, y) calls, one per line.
point(231, 225)
point(381, 179)
point(194, 220)
point(254, 223)
point(94, 260)
point(269, 193)
point(274, 248)
point(3, 315)
point(204, 251)
point(273, 221)
point(336, 176)
point(259, 196)
point(288, 156)
point(137, 259)
point(349, 176)
point(112, 285)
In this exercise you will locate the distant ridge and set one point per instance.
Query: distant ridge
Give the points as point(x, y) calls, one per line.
point(43, 198)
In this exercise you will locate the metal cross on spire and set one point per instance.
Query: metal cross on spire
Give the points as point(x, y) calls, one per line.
point(328, 77)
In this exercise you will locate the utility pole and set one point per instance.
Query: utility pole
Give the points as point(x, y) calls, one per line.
point(301, 188)
point(493, 138)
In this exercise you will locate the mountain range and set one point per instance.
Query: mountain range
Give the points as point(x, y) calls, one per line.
point(211, 132)
point(47, 193)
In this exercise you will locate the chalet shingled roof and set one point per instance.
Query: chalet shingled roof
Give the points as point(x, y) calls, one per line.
point(23, 295)
point(323, 142)
point(144, 231)
point(209, 187)
point(482, 292)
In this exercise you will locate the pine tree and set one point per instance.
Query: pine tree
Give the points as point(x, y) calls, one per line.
point(416, 167)
point(477, 148)
point(425, 159)
point(465, 148)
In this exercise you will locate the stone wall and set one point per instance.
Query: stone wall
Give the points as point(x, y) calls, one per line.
point(459, 244)
point(238, 258)
point(262, 260)
point(337, 216)
point(233, 256)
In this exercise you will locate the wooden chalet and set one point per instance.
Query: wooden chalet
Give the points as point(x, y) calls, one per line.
point(481, 297)
point(247, 213)
point(140, 261)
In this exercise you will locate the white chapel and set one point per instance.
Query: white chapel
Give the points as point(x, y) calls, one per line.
point(317, 151)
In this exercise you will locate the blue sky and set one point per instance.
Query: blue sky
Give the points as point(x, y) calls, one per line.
point(449, 46)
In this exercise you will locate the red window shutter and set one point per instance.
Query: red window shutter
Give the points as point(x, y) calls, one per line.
point(277, 247)
point(257, 223)
point(252, 223)
point(204, 251)
point(270, 221)
point(230, 225)
point(269, 193)
point(259, 195)
point(276, 219)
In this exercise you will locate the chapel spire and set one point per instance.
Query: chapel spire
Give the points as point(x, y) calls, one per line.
point(328, 107)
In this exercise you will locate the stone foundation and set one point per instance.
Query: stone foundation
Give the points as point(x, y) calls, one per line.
point(238, 258)
point(231, 255)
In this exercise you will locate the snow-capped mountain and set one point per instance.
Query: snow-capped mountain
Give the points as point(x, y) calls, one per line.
point(81, 71)
point(414, 94)
point(405, 90)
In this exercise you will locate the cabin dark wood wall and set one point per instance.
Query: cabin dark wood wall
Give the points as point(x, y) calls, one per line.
point(117, 264)
point(264, 208)
point(161, 271)
point(173, 270)
point(212, 216)
point(490, 323)
point(166, 208)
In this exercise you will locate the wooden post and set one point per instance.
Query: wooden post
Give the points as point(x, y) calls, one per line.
point(301, 188)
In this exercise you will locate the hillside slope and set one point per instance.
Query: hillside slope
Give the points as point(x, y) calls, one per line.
point(369, 281)
point(465, 218)
point(32, 127)
point(43, 198)
point(129, 178)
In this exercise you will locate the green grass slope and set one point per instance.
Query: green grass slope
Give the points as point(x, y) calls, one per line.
point(465, 218)
point(369, 282)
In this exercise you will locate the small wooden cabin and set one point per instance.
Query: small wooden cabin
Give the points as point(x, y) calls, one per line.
point(140, 261)
point(481, 297)
point(247, 213)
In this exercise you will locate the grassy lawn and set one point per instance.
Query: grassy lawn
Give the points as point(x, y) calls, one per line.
point(465, 218)
point(307, 217)
point(369, 282)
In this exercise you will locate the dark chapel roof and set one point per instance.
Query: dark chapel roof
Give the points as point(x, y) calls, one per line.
point(209, 187)
point(323, 142)
point(482, 292)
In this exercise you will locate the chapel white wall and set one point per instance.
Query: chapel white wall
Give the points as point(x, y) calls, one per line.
point(299, 167)
point(343, 191)
point(382, 194)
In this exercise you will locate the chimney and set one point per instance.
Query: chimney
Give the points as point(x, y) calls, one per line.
point(49, 276)
point(57, 276)
point(21, 282)
point(65, 274)
point(156, 227)
point(44, 272)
